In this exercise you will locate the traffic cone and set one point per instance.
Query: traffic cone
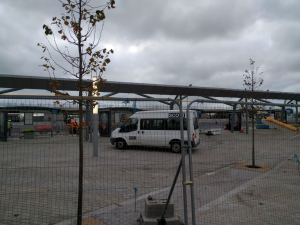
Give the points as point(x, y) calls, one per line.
point(224, 126)
point(242, 130)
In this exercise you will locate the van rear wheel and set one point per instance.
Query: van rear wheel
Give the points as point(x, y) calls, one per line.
point(120, 144)
point(175, 147)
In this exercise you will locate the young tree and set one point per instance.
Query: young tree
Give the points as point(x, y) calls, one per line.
point(80, 27)
point(252, 82)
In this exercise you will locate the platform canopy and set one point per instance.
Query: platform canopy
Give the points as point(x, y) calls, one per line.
point(17, 82)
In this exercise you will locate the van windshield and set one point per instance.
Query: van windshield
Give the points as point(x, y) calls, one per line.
point(130, 125)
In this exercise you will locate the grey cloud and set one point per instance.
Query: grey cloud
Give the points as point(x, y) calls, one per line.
point(203, 43)
point(279, 10)
point(285, 36)
point(181, 20)
point(22, 31)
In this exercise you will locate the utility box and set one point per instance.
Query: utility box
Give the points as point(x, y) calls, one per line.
point(154, 209)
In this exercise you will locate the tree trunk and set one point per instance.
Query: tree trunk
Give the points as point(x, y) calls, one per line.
point(80, 177)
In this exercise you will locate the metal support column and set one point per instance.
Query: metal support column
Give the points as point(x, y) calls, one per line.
point(91, 122)
point(171, 106)
point(91, 118)
point(51, 124)
point(4, 118)
point(297, 120)
point(95, 134)
point(282, 114)
point(233, 118)
point(87, 119)
point(95, 125)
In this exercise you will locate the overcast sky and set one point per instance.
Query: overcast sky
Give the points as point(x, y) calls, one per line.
point(205, 43)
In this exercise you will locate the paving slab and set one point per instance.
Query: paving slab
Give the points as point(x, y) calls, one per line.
point(39, 180)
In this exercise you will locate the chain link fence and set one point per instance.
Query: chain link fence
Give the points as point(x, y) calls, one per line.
point(217, 183)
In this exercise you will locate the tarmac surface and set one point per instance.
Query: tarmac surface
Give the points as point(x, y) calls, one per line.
point(38, 180)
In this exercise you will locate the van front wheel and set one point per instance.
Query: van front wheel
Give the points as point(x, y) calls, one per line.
point(175, 147)
point(121, 144)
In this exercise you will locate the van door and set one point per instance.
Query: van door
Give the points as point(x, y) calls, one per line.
point(195, 129)
point(173, 129)
point(129, 131)
point(152, 132)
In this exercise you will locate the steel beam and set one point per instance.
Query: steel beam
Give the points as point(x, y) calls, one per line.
point(9, 90)
point(147, 96)
point(111, 94)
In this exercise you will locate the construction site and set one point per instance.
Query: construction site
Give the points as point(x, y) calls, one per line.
point(244, 170)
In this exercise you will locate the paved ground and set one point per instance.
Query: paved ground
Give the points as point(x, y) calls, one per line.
point(38, 180)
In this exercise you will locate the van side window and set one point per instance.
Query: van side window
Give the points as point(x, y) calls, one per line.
point(152, 124)
point(196, 125)
point(174, 124)
point(130, 125)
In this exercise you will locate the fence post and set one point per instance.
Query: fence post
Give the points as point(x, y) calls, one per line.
point(190, 163)
point(183, 163)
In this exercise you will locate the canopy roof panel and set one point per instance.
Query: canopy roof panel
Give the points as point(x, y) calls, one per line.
point(43, 83)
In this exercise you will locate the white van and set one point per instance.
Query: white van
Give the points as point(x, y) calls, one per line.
point(159, 128)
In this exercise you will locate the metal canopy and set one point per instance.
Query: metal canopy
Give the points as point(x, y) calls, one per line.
point(9, 90)
point(43, 83)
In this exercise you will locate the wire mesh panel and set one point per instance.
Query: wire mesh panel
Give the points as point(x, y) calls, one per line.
point(236, 179)
point(244, 175)
point(39, 174)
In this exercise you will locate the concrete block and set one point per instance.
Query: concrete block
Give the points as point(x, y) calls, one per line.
point(155, 207)
point(153, 221)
